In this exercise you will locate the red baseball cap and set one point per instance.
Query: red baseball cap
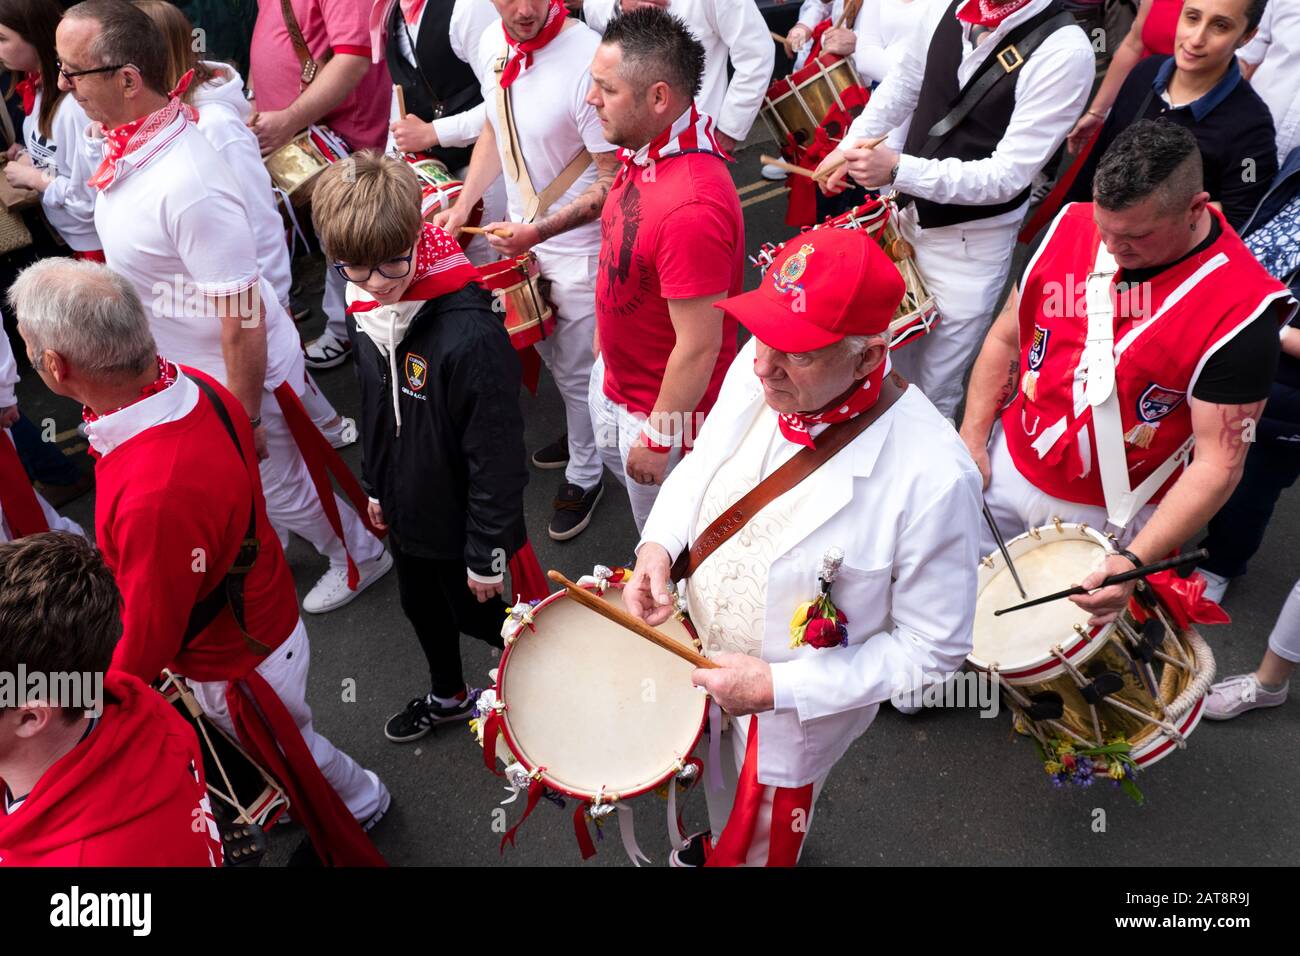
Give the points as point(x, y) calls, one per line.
point(826, 284)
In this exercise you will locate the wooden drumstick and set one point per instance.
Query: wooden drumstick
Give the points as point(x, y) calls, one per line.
point(864, 144)
point(788, 167)
point(479, 231)
point(634, 624)
point(777, 37)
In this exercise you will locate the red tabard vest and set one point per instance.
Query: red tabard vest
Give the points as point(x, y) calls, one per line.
point(1165, 331)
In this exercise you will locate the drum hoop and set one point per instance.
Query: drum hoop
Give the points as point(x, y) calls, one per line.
point(1047, 665)
point(539, 773)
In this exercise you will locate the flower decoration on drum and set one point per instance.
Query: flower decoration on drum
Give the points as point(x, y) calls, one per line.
point(1068, 763)
point(518, 617)
point(602, 577)
point(819, 623)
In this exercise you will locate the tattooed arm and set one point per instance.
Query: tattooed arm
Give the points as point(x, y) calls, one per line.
point(1224, 434)
point(584, 209)
point(993, 381)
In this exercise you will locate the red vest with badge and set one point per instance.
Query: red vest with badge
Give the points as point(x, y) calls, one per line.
point(1165, 330)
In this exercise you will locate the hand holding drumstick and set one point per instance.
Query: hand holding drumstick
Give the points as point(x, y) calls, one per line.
point(868, 162)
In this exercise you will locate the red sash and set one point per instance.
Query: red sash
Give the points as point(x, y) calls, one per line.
point(18, 500)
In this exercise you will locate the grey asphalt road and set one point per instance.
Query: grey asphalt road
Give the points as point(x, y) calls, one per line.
point(943, 787)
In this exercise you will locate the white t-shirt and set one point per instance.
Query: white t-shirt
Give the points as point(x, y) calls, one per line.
point(223, 118)
point(69, 204)
point(174, 224)
point(554, 122)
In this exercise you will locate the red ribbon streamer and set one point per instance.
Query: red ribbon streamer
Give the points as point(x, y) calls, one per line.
point(270, 734)
point(534, 794)
point(491, 727)
point(585, 846)
point(322, 461)
point(786, 837)
point(18, 500)
point(1051, 205)
point(526, 577)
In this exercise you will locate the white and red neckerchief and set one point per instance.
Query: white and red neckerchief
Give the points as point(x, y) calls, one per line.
point(379, 14)
point(27, 88)
point(521, 51)
point(690, 132)
point(129, 137)
point(796, 426)
point(440, 267)
point(167, 373)
point(985, 13)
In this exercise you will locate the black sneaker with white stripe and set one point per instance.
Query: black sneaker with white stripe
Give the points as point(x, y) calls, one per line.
point(423, 714)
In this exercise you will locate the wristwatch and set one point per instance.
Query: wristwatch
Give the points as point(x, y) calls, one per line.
point(893, 174)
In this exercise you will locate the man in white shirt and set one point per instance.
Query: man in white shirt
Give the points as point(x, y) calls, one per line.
point(963, 191)
point(730, 30)
point(432, 53)
point(541, 59)
point(1271, 62)
point(885, 533)
point(174, 224)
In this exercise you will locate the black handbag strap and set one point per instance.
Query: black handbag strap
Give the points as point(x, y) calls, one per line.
point(230, 590)
point(1020, 45)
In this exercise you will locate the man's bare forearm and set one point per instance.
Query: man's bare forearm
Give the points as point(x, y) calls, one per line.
point(243, 346)
point(587, 206)
point(994, 378)
point(484, 168)
point(686, 378)
point(334, 83)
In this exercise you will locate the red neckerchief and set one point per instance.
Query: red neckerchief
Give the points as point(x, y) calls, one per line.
point(796, 426)
point(987, 14)
point(129, 137)
point(440, 268)
point(167, 373)
point(27, 88)
point(690, 132)
point(521, 52)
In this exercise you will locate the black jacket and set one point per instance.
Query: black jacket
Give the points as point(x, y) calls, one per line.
point(452, 483)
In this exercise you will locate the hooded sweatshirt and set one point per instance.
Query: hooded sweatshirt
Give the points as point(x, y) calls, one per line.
point(68, 202)
point(130, 794)
point(223, 120)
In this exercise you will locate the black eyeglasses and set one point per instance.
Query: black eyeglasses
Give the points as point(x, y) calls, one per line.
point(76, 73)
point(360, 274)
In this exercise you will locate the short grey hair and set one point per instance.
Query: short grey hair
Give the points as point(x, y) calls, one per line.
point(126, 36)
point(87, 313)
point(856, 344)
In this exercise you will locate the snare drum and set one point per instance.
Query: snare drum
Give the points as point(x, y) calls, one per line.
point(517, 285)
point(295, 165)
point(916, 314)
point(796, 106)
point(243, 792)
point(438, 187)
point(590, 710)
point(1138, 682)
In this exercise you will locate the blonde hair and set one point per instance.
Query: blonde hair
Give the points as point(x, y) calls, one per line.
point(178, 41)
point(366, 209)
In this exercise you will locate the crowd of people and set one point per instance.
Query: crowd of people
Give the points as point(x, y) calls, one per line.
point(1141, 376)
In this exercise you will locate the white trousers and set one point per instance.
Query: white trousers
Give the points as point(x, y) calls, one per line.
point(965, 267)
point(317, 405)
point(1284, 641)
point(292, 503)
point(55, 520)
point(616, 429)
point(1017, 505)
point(567, 353)
point(285, 669)
point(479, 251)
point(720, 801)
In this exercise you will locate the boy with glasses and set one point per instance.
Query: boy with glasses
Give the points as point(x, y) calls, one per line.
point(441, 431)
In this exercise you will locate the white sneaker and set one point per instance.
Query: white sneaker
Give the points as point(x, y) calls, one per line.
point(342, 434)
point(774, 173)
point(331, 591)
point(1240, 693)
point(385, 801)
point(326, 352)
point(1216, 585)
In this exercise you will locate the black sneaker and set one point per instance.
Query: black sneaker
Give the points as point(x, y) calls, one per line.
point(422, 715)
point(554, 455)
point(692, 854)
point(573, 508)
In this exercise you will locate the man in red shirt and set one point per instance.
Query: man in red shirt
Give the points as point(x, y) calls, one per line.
point(106, 778)
point(1127, 373)
point(181, 520)
point(672, 245)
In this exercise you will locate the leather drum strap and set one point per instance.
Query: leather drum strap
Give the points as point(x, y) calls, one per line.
point(305, 59)
point(512, 160)
point(803, 464)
